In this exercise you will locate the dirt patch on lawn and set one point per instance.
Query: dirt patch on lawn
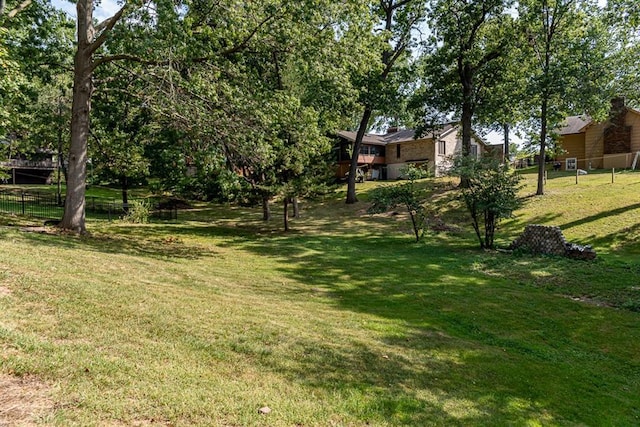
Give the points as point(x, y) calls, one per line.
point(41, 230)
point(24, 401)
point(4, 291)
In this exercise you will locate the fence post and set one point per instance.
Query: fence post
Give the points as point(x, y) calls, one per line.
point(545, 177)
point(577, 175)
point(613, 174)
point(22, 194)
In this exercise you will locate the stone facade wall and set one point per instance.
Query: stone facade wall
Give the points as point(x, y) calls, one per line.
point(420, 149)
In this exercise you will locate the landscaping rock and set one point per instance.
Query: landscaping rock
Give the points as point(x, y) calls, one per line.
point(541, 239)
point(548, 240)
point(580, 252)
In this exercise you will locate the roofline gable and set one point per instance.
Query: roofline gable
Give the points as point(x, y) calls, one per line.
point(388, 138)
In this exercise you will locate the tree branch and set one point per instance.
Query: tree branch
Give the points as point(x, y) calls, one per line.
point(474, 29)
point(18, 8)
point(237, 48)
point(399, 4)
point(125, 57)
point(105, 27)
point(391, 61)
point(490, 56)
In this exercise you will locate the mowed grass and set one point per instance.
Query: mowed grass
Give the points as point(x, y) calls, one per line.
point(343, 321)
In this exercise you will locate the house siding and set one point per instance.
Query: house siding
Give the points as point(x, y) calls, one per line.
point(453, 145)
point(417, 151)
point(633, 120)
point(573, 146)
point(411, 151)
point(588, 147)
point(625, 160)
point(401, 150)
point(594, 146)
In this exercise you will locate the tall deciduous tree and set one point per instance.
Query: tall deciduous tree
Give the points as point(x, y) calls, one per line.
point(398, 20)
point(35, 52)
point(501, 106)
point(469, 36)
point(264, 110)
point(623, 19)
point(196, 31)
point(120, 131)
point(301, 99)
point(566, 65)
point(90, 38)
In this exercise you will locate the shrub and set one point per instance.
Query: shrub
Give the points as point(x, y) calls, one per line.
point(491, 194)
point(407, 195)
point(139, 212)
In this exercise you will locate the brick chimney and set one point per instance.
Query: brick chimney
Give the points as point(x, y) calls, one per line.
point(617, 136)
point(392, 129)
point(617, 104)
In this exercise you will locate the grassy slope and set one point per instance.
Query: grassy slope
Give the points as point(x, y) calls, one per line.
point(344, 321)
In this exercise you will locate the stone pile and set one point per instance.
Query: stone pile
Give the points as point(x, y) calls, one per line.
point(580, 252)
point(548, 240)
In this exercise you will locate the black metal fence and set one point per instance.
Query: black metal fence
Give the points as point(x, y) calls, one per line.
point(39, 205)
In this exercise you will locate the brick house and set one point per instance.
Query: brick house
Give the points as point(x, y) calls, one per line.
point(384, 156)
point(614, 143)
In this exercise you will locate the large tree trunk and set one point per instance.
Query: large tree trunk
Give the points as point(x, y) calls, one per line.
point(351, 180)
point(467, 115)
point(266, 208)
point(74, 208)
point(543, 146)
point(296, 207)
point(285, 215)
point(505, 154)
point(124, 184)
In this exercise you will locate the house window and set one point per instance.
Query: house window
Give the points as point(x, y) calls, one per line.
point(442, 147)
point(572, 164)
point(371, 150)
point(398, 151)
point(474, 150)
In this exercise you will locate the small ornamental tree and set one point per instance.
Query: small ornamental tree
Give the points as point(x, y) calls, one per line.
point(407, 195)
point(492, 194)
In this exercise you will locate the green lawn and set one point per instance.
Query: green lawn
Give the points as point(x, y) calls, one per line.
point(344, 321)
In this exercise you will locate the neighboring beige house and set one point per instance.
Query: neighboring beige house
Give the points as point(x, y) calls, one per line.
point(614, 143)
point(384, 156)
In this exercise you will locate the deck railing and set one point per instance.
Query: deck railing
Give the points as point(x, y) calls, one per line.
point(29, 164)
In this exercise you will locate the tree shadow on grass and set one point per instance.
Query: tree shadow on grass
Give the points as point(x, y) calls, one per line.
point(506, 343)
point(461, 347)
point(600, 215)
point(153, 245)
point(624, 244)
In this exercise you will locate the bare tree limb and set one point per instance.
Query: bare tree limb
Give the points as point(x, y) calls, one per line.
point(18, 8)
point(105, 27)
